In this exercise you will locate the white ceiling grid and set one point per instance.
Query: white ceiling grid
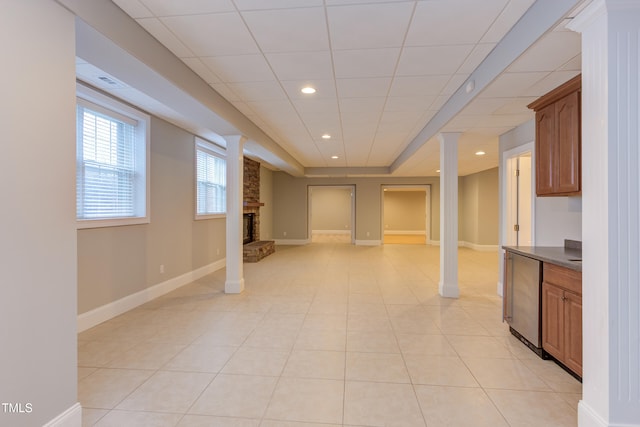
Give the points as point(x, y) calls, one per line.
point(382, 68)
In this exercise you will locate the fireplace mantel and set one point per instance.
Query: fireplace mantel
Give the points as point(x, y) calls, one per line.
point(252, 204)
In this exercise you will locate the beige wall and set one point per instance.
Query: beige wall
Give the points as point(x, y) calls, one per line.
point(115, 262)
point(404, 211)
point(38, 333)
point(478, 205)
point(290, 204)
point(330, 208)
point(479, 208)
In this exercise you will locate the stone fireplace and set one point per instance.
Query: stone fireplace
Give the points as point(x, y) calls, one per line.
point(254, 249)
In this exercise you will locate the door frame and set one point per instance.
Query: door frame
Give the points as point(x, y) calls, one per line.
point(352, 226)
point(505, 179)
point(417, 187)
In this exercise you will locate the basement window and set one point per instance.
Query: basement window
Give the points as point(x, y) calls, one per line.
point(211, 180)
point(112, 157)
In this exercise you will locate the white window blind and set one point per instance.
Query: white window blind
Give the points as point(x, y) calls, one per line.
point(211, 182)
point(111, 161)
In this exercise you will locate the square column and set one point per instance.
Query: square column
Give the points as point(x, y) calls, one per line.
point(234, 283)
point(610, 200)
point(448, 285)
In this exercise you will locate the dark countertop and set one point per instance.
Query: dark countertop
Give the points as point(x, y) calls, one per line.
point(552, 254)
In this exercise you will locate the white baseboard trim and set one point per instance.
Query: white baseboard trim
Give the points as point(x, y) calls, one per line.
point(481, 248)
point(475, 247)
point(368, 242)
point(72, 417)
point(109, 311)
point(330, 231)
point(587, 417)
point(295, 242)
point(499, 288)
point(404, 232)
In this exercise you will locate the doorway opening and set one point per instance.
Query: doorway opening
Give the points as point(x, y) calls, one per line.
point(519, 197)
point(331, 214)
point(406, 214)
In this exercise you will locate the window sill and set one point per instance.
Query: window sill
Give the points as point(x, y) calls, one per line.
point(210, 216)
point(82, 224)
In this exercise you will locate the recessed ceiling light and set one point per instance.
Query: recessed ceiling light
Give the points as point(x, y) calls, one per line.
point(326, 136)
point(308, 90)
point(334, 157)
point(480, 153)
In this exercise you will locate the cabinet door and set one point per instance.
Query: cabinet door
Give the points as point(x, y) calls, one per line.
point(568, 141)
point(573, 330)
point(545, 147)
point(553, 335)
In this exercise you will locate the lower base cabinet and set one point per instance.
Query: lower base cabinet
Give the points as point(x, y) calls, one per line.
point(562, 316)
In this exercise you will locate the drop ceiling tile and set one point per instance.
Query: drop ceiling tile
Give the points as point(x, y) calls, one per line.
point(324, 88)
point(432, 60)
point(355, 105)
point(506, 20)
point(574, 64)
point(240, 68)
point(485, 105)
point(515, 105)
point(512, 84)
point(550, 53)
point(401, 119)
point(365, 62)
point(550, 82)
point(355, 119)
point(411, 86)
point(289, 30)
point(322, 105)
point(363, 87)
point(258, 91)
point(301, 65)
point(202, 70)
point(225, 91)
point(475, 58)
point(409, 103)
point(213, 34)
point(134, 8)
point(187, 7)
point(454, 84)
point(275, 4)
point(452, 22)
point(158, 30)
point(385, 25)
point(345, 2)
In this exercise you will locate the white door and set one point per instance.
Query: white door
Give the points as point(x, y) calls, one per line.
point(519, 201)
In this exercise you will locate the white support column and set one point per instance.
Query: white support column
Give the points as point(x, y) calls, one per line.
point(449, 215)
point(610, 200)
point(234, 283)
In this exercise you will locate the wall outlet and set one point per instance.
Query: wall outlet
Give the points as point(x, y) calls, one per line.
point(368, 234)
point(161, 268)
point(284, 233)
point(218, 251)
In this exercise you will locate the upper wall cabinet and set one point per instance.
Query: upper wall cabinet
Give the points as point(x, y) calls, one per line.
point(558, 170)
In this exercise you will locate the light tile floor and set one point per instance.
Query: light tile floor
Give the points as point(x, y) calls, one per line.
point(324, 335)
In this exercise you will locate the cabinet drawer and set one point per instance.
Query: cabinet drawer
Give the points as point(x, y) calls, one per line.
point(565, 278)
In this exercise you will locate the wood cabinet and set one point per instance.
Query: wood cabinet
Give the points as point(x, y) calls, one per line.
point(562, 315)
point(558, 148)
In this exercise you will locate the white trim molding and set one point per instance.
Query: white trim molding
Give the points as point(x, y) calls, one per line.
point(72, 417)
point(480, 248)
point(109, 311)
